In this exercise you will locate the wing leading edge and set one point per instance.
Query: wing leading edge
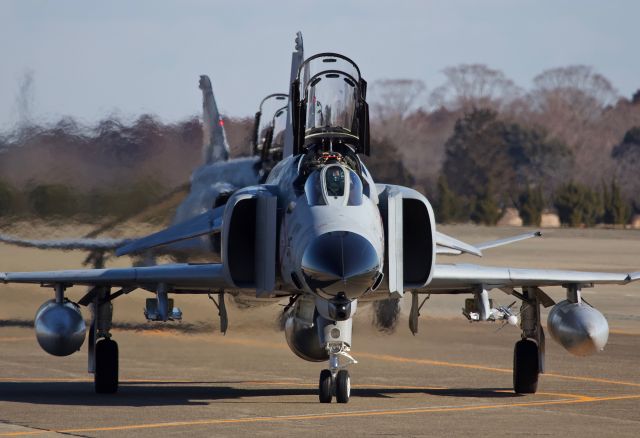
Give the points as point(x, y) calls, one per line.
point(451, 246)
point(180, 275)
point(467, 277)
point(88, 244)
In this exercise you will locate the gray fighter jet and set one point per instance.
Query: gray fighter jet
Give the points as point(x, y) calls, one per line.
point(322, 233)
point(211, 184)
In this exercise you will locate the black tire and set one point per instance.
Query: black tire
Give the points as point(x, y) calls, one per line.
point(525, 367)
point(343, 386)
point(325, 392)
point(106, 375)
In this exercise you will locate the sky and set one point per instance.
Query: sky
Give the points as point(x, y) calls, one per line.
point(90, 59)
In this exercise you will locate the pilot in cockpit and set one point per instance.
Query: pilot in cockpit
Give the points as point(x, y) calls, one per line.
point(335, 181)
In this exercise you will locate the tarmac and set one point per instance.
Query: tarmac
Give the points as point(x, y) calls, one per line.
point(453, 379)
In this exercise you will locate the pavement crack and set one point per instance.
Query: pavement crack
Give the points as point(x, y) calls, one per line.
point(39, 430)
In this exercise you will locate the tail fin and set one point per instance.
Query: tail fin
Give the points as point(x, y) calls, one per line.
point(297, 58)
point(215, 146)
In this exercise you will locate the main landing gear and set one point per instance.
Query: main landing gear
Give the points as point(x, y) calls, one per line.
point(106, 372)
point(525, 367)
point(528, 354)
point(103, 351)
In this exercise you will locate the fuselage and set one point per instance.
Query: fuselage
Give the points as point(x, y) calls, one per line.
point(330, 232)
point(331, 238)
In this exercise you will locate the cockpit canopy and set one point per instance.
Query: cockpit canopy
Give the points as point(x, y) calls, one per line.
point(333, 185)
point(329, 98)
point(279, 124)
point(264, 128)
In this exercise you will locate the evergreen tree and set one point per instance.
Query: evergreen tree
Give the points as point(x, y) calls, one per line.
point(616, 209)
point(486, 209)
point(6, 199)
point(484, 150)
point(577, 205)
point(447, 209)
point(530, 206)
point(52, 200)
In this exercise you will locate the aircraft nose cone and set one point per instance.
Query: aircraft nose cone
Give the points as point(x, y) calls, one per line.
point(340, 261)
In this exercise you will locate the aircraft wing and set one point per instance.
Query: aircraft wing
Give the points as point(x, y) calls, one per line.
point(208, 222)
point(179, 275)
point(468, 277)
point(88, 244)
point(451, 246)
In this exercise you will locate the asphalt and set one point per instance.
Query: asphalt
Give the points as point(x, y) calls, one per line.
point(452, 379)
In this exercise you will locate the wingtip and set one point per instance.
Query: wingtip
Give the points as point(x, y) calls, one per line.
point(538, 233)
point(3, 277)
point(634, 276)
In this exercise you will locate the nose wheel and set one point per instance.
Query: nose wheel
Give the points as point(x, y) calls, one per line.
point(326, 386)
point(343, 386)
point(338, 385)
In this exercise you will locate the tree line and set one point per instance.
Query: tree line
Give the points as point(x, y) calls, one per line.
point(478, 144)
point(475, 145)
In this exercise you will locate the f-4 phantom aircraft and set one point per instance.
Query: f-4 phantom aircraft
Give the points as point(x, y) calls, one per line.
point(321, 232)
point(211, 184)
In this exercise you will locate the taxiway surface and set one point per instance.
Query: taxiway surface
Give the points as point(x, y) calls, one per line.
point(452, 379)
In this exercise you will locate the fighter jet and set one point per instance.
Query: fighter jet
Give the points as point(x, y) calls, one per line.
point(211, 184)
point(321, 232)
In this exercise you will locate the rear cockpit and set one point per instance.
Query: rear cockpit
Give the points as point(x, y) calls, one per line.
point(269, 130)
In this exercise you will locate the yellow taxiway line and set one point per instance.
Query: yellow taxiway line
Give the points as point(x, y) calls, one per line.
point(398, 359)
point(247, 342)
point(325, 416)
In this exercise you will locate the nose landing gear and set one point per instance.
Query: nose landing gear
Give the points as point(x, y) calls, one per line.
point(336, 380)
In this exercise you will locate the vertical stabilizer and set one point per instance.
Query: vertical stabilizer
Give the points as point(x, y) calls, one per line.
point(297, 58)
point(214, 146)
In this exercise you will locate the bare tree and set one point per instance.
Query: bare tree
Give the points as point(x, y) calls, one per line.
point(395, 99)
point(24, 99)
point(474, 86)
point(418, 137)
point(577, 84)
point(574, 105)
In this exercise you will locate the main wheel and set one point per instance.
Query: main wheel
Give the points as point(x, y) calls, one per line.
point(343, 386)
point(326, 386)
point(525, 367)
point(106, 375)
